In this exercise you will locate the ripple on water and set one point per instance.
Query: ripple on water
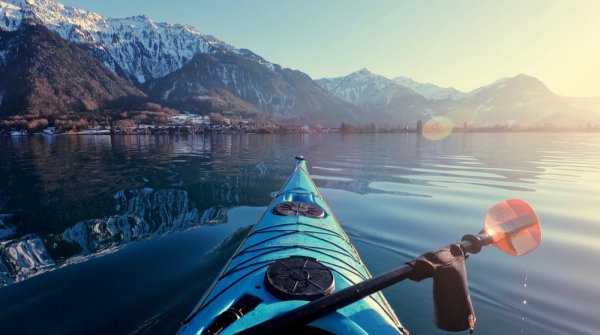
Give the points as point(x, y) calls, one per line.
point(397, 196)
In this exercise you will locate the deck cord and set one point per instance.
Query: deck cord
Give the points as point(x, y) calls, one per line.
point(246, 264)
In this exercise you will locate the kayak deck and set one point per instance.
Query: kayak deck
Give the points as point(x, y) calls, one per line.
point(241, 297)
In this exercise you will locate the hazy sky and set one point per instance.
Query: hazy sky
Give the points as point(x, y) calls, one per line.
point(464, 44)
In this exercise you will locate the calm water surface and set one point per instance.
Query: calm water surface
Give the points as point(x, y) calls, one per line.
point(123, 234)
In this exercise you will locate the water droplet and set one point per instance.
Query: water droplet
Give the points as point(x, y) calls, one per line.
point(525, 302)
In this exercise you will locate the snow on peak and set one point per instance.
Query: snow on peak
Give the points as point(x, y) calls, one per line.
point(431, 91)
point(364, 88)
point(362, 77)
point(136, 47)
point(12, 15)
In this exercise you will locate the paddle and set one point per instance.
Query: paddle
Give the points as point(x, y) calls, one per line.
point(511, 226)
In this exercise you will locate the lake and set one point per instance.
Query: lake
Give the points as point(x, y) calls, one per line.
point(123, 234)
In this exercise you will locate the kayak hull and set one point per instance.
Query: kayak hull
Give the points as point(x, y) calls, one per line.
point(241, 297)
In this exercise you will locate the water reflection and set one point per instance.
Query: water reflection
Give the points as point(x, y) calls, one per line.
point(397, 196)
point(78, 195)
point(72, 196)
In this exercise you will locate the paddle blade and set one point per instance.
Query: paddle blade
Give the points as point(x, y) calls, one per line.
point(513, 227)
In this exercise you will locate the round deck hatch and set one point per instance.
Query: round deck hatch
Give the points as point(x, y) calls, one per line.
point(298, 208)
point(299, 278)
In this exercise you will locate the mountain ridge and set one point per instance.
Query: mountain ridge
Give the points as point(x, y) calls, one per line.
point(429, 90)
point(285, 94)
point(183, 68)
point(143, 51)
point(379, 97)
point(136, 47)
point(520, 100)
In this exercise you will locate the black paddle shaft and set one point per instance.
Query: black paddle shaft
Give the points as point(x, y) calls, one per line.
point(328, 304)
point(318, 308)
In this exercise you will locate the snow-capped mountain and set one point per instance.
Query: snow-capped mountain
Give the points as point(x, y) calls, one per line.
point(363, 88)
point(520, 100)
point(379, 97)
point(146, 52)
point(182, 67)
point(287, 95)
point(431, 91)
point(136, 48)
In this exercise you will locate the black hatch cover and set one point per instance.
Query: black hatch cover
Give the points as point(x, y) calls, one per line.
point(298, 208)
point(299, 278)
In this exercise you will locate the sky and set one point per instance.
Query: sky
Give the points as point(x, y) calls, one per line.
point(462, 44)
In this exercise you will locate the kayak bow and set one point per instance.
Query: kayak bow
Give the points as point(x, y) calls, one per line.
point(296, 253)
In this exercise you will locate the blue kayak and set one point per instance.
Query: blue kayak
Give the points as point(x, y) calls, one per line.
point(296, 253)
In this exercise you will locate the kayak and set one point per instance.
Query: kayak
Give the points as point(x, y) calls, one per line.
point(297, 252)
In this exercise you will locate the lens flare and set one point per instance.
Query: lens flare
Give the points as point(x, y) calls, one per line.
point(437, 128)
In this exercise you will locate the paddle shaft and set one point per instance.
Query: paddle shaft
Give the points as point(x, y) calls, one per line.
point(328, 304)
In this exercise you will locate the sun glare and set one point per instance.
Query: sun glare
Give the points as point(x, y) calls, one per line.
point(437, 128)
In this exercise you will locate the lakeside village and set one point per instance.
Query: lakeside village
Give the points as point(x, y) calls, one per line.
point(157, 120)
point(166, 121)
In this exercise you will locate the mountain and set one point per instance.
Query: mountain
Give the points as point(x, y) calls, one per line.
point(521, 100)
point(180, 66)
point(287, 95)
point(381, 99)
point(431, 91)
point(42, 74)
point(223, 101)
point(135, 48)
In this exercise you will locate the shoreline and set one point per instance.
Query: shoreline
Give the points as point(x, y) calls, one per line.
point(479, 131)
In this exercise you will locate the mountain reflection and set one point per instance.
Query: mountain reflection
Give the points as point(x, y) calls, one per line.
point(69, 197)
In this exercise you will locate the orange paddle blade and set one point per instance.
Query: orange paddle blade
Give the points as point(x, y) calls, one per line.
point(513, 226)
